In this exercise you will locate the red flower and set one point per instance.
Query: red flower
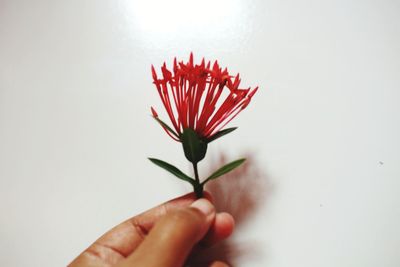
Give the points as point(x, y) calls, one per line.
point(199, 97)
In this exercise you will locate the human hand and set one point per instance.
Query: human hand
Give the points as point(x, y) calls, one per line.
point(169, 235)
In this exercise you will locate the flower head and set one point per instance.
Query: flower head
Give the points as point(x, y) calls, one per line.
point(200, 100)
point(199, 97)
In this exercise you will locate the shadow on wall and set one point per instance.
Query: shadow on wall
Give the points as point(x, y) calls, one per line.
point(241, 193)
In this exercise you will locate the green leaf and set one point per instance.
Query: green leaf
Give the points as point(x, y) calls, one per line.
point(166, 127)
point(195, 148)
point(221, 133)
point(224, 169)
point(172, 169)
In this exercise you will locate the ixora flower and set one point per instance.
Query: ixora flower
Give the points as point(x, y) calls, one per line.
point(200, 100)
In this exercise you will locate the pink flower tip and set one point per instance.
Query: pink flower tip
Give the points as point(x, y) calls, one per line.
point(153, 111)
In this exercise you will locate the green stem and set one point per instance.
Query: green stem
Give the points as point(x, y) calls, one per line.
point(197, 186)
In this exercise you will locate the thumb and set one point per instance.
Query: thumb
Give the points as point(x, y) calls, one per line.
point(171, 240)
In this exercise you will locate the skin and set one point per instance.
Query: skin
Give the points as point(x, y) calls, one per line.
point(168, 235)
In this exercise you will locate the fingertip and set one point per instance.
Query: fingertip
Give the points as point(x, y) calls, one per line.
point(224, 225)
point(188, 198)
point(221, 229)
point(205, 207)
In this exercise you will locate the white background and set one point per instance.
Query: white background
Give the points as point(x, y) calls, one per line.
point(323, 130)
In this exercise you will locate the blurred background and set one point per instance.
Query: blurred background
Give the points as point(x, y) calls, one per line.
point(322, 187)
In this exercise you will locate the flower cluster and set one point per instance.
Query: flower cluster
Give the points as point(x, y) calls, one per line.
point(193, 97)
point(200, 100)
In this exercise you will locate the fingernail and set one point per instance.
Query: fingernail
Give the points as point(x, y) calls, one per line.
point(204, 206)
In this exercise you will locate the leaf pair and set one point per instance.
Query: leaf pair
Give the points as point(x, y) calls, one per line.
point(178, 173)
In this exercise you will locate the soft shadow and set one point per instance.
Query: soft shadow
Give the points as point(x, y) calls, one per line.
point(242, 193)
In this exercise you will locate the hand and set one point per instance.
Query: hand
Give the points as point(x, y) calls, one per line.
point(168, 235)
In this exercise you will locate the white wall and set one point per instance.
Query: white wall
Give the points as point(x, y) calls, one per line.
point(323, 130)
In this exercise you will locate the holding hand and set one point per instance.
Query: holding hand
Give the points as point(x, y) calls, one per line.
point(168, 235)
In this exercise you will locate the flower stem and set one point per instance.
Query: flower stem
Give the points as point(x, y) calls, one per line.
point(197, 186)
